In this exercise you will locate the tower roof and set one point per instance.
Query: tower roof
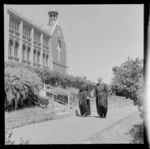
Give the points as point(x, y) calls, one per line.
point(53, 10)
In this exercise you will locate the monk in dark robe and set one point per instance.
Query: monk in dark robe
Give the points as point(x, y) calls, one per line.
point(101, 93)
point(84, 95)
point(88, 106)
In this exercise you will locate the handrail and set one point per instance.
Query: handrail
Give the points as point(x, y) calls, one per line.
point(60, 101)
point(55, 91)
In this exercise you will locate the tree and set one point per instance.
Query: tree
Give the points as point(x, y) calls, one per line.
point(126, 78)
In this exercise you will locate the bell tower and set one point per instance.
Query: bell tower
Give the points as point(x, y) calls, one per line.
point(53, 15)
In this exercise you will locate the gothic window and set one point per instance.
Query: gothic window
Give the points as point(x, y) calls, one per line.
point(14, 24)
point(43, 59)
point(45, 41)
point(26, 31)
point(37, 37)
point(38, 57)
point(10, 47)
point(59, 43)
point(34, 56)
point(16, 49)
point(47, 60)
point(23, 52)
point(28, 53)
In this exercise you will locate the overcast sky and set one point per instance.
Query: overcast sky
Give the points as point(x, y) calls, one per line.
point(98, 37)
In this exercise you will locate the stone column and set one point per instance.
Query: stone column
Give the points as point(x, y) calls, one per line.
point(6, 32)
point(21, 41)
point(50, 54)
point(41, 39)
point(32, 46)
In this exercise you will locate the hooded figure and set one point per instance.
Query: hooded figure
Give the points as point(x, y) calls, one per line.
point(84, 104)
point(101, 93)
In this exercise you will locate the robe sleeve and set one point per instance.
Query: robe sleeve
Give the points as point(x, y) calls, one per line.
point(79, 92)
point(107, 89)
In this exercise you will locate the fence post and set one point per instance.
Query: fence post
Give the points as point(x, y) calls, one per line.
point(44, 93)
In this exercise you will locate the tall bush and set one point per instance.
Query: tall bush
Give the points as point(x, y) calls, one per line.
point(21, 86)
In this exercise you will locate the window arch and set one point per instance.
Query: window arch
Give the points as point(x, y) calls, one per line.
point(23, 52)
point(47, 60)
point(59, 43)
point(28, 53)
point(10, 51)
point(43, 59)
point(38, 57)
point(34, 56)
point(16, 47)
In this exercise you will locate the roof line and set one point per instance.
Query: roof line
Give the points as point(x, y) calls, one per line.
point(28, 20)
point(53, 28)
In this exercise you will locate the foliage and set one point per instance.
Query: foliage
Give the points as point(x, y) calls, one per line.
point(23, 82)
point(43, 101)
point(126, 78)
point(21, 86)
point(140, 97)
point(55, 78)
point(137, 132)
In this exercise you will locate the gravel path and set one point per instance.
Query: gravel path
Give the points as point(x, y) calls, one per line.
point(70, 130)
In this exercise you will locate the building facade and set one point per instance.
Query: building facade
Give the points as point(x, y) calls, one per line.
point(28, 43)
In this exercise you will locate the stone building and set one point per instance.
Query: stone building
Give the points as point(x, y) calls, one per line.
point(31, 44)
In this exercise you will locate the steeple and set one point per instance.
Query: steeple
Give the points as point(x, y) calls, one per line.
point(53, 15)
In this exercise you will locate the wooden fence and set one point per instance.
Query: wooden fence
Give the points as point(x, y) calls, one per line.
point(56, 94)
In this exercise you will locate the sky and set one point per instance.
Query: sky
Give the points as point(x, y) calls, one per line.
point(98, 37)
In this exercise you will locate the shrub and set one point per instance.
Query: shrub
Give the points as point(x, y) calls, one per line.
point(21, 86)
point(140, 97)
point(137, 132)
point(43, 101)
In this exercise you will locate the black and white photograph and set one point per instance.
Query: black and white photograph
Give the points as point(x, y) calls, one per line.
point(74, 74)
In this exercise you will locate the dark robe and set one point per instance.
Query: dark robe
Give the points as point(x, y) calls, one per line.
point(84, 103)
point(101, 92)
point(88, 107)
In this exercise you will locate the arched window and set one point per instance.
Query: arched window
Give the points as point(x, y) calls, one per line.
point(59, 43)
point(16, 49)
point(28, 54)
point(10, 47)
point(23, 52)
point(43, 59)
point(34, 56)
point(46, 60)
point(38, 57)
